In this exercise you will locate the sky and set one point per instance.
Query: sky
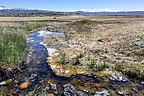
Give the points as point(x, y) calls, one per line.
point(68, 5)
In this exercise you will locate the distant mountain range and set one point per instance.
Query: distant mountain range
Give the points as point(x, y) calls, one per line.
point(3, 9)
point(112, 13)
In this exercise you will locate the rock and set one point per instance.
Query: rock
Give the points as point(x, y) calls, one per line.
point(138, 39)
point(50, 59)
point(53, 86)
point(53, 66)
point(69, 90)
point(66, 71)
point(100, 40)
point(118, 77)
point(5, 82)
point(60, 70)
point(32, 77)
point(81, 93)
point(103, 93)
point(121, 93)
point(52, 52)
point(138, 43)
point(142, 83)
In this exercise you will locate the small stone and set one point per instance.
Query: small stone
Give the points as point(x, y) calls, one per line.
point(69, 90)
point(137, 39)
point(66, 71)
point(118, 77)
point(138, 43)
point(142, 83)
point(3, 83)
point(32, 77)
point(121, 93)
point(53, 66)
point(103, 93)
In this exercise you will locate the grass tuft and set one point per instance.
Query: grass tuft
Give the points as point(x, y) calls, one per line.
point(33, 26)
point(12, 45)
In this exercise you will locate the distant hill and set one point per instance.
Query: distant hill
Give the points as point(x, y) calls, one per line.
point(19, 12)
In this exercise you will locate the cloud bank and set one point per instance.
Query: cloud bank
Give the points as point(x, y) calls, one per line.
point(103, 10)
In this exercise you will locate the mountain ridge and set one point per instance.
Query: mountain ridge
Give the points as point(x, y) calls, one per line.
point(107, 11)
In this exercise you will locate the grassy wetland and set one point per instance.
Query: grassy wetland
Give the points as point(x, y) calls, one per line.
point(93, 54)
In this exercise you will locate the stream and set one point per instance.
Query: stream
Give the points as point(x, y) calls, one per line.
point(42, 80)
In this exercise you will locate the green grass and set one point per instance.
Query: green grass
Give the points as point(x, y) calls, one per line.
point(85, 22)
point(12, 45)
point(131, 71)
point(97, 67)
point(90, 22)
point(33, 26)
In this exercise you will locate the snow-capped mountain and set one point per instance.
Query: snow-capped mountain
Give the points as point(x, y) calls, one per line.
point(106, 11)
point(4, 9)
point(109, 12)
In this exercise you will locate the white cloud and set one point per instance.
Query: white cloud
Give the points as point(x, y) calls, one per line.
point(102, 10)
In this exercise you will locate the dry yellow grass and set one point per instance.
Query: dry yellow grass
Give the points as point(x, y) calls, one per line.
point(10, 19)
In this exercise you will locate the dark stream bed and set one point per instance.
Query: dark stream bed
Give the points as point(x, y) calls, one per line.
point(42, 80)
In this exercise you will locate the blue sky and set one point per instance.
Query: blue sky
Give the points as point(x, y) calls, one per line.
point(66, 5)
